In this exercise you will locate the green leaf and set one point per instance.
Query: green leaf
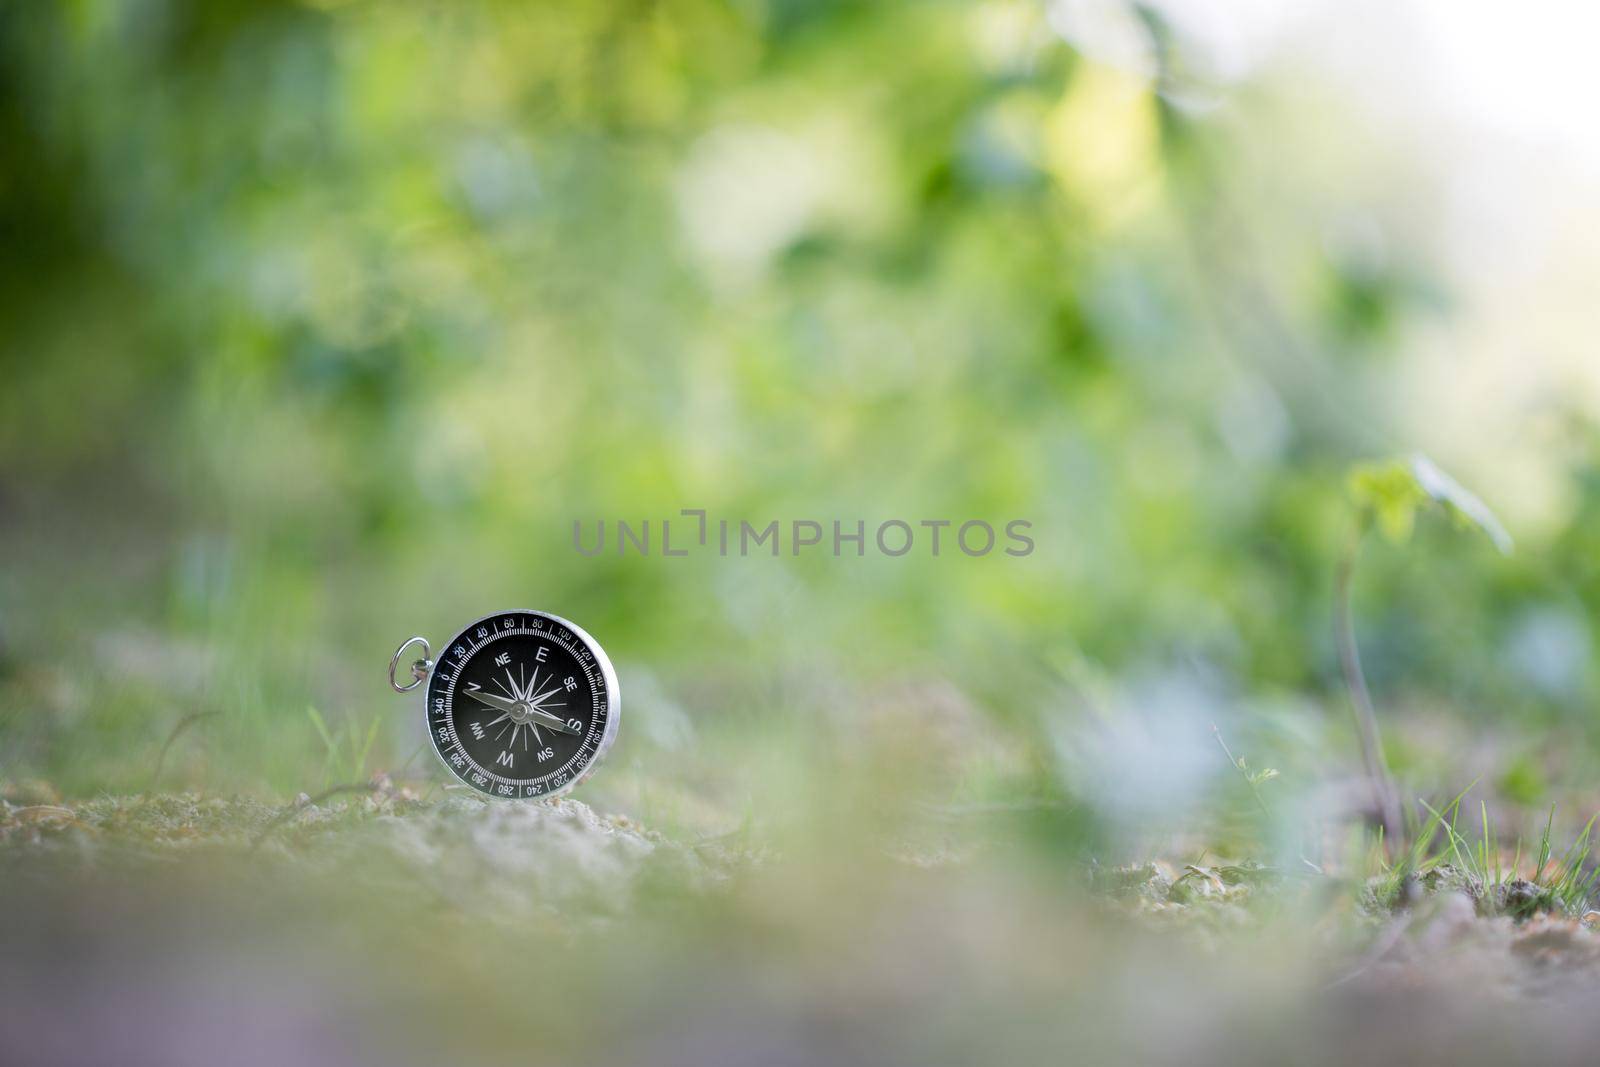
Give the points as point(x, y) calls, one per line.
point(1393, 492)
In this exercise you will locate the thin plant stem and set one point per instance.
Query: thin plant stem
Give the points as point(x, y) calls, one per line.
point(1355, 681)
point(291, 810)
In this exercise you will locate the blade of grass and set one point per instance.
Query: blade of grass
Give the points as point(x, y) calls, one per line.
point(358, 769)
point(330, 746)
point(1416, 857)
point(1544, 847)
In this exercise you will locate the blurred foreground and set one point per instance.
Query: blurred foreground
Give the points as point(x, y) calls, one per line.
point(177, 931)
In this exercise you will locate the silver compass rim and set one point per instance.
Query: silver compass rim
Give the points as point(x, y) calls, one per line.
point(613, 705)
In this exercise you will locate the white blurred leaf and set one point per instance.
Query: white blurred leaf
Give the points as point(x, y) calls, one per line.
point(1465, 505)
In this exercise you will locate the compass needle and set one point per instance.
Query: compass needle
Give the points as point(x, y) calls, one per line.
point(547, 693)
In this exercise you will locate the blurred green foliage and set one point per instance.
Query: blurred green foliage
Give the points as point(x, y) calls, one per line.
point(324, 322)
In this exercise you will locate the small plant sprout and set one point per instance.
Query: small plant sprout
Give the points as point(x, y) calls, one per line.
point(1254, 779)
point(1389, 496)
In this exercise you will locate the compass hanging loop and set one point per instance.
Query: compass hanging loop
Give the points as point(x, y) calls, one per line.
point(419, 669)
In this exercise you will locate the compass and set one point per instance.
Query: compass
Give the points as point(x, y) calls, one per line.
point(519, 704)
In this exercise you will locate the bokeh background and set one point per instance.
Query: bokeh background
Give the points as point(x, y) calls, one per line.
point(322, 323)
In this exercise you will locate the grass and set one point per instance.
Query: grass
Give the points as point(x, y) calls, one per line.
point(347, 749)
point(1562, 884)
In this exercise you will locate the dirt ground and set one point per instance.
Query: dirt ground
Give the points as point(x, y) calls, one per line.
point(378, 928)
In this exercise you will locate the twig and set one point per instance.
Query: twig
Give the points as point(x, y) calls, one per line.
point(289, 812)
point(1380, 948)
point(36, 812)
point(177, 730)
point(406, 766)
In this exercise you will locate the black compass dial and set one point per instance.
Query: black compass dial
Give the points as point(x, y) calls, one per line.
point(522, 704)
